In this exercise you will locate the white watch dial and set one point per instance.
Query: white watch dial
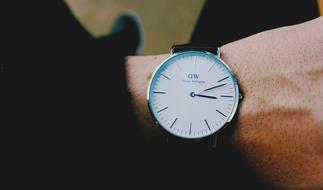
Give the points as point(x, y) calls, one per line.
point(193, 94)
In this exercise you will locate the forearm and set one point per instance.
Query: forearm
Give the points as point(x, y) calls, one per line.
point(280, 130)
point(280, 126)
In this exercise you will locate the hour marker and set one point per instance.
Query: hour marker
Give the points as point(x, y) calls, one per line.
point(190, 128)
point(211, 67)
point(224, 96)
point(221, 113)
point(173, 122)
point(160, 92)
point(162, 109)
point(207, 124)
point(223, 79)
point(165, 76)
point(179, 67)
point(195, 62)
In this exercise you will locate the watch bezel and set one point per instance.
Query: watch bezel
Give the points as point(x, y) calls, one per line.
point(235, 84)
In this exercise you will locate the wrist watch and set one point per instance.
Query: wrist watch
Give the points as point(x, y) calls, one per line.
point(193, 95)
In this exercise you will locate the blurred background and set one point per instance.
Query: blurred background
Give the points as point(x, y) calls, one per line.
point(161, 30)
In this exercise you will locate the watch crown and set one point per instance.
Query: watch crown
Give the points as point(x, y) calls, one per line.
point(240, 96)
point(218, 52)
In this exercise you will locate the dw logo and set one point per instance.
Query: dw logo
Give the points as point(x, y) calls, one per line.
point(193, 76)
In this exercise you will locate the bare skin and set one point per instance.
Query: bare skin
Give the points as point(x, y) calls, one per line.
point(281, 117)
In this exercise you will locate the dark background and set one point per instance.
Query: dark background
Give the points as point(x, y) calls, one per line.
point(68, 109)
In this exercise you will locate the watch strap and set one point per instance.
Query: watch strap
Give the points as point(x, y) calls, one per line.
point(207, 143)
point(188, 47)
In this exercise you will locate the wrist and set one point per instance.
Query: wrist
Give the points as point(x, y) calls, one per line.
point(233, 58)
point(281, 114)
point(139, 70)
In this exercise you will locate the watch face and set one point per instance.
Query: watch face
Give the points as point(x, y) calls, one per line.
point(193, 94)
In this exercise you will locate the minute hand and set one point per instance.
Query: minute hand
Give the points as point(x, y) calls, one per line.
point(214, 87)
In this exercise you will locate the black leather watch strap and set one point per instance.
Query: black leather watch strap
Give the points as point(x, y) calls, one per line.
point(187, 47)
point(207, 143)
